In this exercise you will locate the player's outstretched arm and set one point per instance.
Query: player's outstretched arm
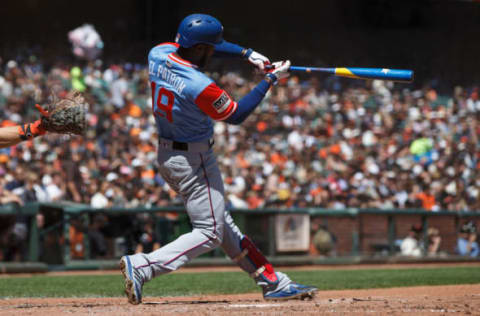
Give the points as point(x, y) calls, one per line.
point(64, 116)
point(227, 49)
point(250, 101)
point(13, 135)
point(216, 103)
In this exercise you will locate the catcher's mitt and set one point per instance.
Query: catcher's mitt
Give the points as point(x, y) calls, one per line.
point(65, 116)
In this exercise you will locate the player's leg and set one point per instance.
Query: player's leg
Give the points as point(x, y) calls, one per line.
point(197, 178)
point(140, 268)
point(275, 285)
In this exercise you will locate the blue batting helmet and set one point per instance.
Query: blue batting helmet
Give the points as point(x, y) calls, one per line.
point(199, 29)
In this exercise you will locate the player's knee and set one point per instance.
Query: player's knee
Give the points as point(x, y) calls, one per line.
point(219, 231)
point(215, 236)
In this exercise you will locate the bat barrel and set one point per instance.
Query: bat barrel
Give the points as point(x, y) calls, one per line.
point(376, 73)
point(402, 75)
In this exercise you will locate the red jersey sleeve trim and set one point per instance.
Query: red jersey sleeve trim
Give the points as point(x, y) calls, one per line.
point(170, 43)
point(216, 103)
point(181, 61)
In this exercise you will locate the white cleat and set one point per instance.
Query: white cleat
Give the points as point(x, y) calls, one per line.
point(133, 283)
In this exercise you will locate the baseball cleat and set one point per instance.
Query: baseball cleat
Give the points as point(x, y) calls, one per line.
point(292, 291)
point(133, 283)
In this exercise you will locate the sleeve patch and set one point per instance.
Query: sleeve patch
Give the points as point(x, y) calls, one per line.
point(216, 102)
point(222, 102)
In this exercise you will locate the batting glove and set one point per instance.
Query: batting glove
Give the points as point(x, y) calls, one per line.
point(257, 59)
point(279, 70)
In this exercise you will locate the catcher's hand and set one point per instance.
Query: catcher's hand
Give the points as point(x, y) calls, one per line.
point(65, 116)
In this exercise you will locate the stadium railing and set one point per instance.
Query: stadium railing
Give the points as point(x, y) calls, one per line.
point(359, 235)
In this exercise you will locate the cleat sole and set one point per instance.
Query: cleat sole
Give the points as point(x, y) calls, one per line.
point(302, 296)
point(129, 286)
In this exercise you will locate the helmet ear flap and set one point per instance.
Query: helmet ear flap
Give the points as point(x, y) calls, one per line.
point(199, 29)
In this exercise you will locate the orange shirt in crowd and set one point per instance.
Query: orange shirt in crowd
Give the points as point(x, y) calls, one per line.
point(134, 110)
point(262, 126)
point(254, 201)
point(148, 174)
point(335, 149)
point(428, 200)
point(316, 191)
point(242, 162)
point(277, 159)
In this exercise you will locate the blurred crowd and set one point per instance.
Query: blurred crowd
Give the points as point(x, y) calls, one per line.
point(311, 143)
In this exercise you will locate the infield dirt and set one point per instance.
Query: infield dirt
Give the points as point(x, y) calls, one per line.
point(421, 300)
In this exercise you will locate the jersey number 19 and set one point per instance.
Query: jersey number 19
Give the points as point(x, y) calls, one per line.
point(166, 108)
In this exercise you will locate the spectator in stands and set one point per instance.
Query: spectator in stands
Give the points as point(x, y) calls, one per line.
point(14, 229)
point(40, 221)
point(148, 240)
point(73, 180)
point(98, 198)
point(55, 187)
point(96, 238)
point(6, 196)
point(411, 245)
point(427, 198)
point(8, 245)
point(119, 88)
point(467, 244)
point(434, 241)
point(76, 235)
point(323, 241)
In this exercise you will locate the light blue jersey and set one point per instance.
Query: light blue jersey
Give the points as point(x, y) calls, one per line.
point(184, 99)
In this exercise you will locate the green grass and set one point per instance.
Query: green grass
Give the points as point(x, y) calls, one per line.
point(185, 284)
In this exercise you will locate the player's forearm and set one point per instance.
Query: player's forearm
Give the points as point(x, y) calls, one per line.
point(13, 135)
point(249, 103)
point(227, 49)
point(9, 136)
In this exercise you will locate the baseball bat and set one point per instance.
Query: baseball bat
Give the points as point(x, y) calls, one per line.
point(400, 75)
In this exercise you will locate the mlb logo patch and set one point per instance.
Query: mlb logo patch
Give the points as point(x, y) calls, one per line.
point(168, 63)
point(222, 103)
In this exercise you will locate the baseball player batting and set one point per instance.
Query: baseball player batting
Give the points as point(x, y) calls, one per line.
point(185, 104)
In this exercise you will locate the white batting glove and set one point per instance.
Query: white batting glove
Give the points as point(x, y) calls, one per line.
point(257, 59)
point(279, 70)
